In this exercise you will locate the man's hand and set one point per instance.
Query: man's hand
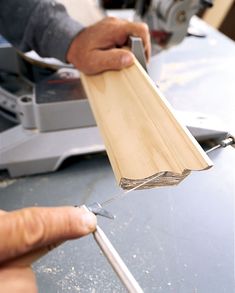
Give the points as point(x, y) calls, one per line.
point(30, 229)
point(97, 47)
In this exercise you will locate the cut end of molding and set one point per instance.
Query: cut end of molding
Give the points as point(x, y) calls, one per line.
point(156, 180)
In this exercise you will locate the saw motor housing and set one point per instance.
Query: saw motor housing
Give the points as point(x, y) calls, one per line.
point(168, 20)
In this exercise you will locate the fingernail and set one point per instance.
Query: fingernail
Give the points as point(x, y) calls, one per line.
point(89, 218)
point(127, 59)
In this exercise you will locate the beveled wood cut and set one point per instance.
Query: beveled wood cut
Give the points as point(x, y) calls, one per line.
point(142, 136)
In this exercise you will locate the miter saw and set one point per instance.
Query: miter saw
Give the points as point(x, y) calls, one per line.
point(168, 20)
point(53, 115)
point(55, 120)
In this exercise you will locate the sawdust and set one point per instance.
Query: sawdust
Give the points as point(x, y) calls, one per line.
point(68, 283)
point(182, 73)
point(6, 181)
point(48, 270)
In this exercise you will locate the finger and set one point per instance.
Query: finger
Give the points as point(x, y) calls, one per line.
point(31, 228)
point(17, 280)
point(120, 30)
point(113, 59)
point(2, 212)
point(140, 30)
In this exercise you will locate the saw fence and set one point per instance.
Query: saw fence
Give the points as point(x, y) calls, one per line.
point(142, 136)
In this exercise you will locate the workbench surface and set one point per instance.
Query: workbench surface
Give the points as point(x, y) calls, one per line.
point(173, 239)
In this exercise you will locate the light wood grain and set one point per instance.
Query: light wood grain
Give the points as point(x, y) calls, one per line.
point(217, 14)
point(142, 136)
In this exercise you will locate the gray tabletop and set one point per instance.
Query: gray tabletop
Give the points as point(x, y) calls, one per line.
point(173, 239)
